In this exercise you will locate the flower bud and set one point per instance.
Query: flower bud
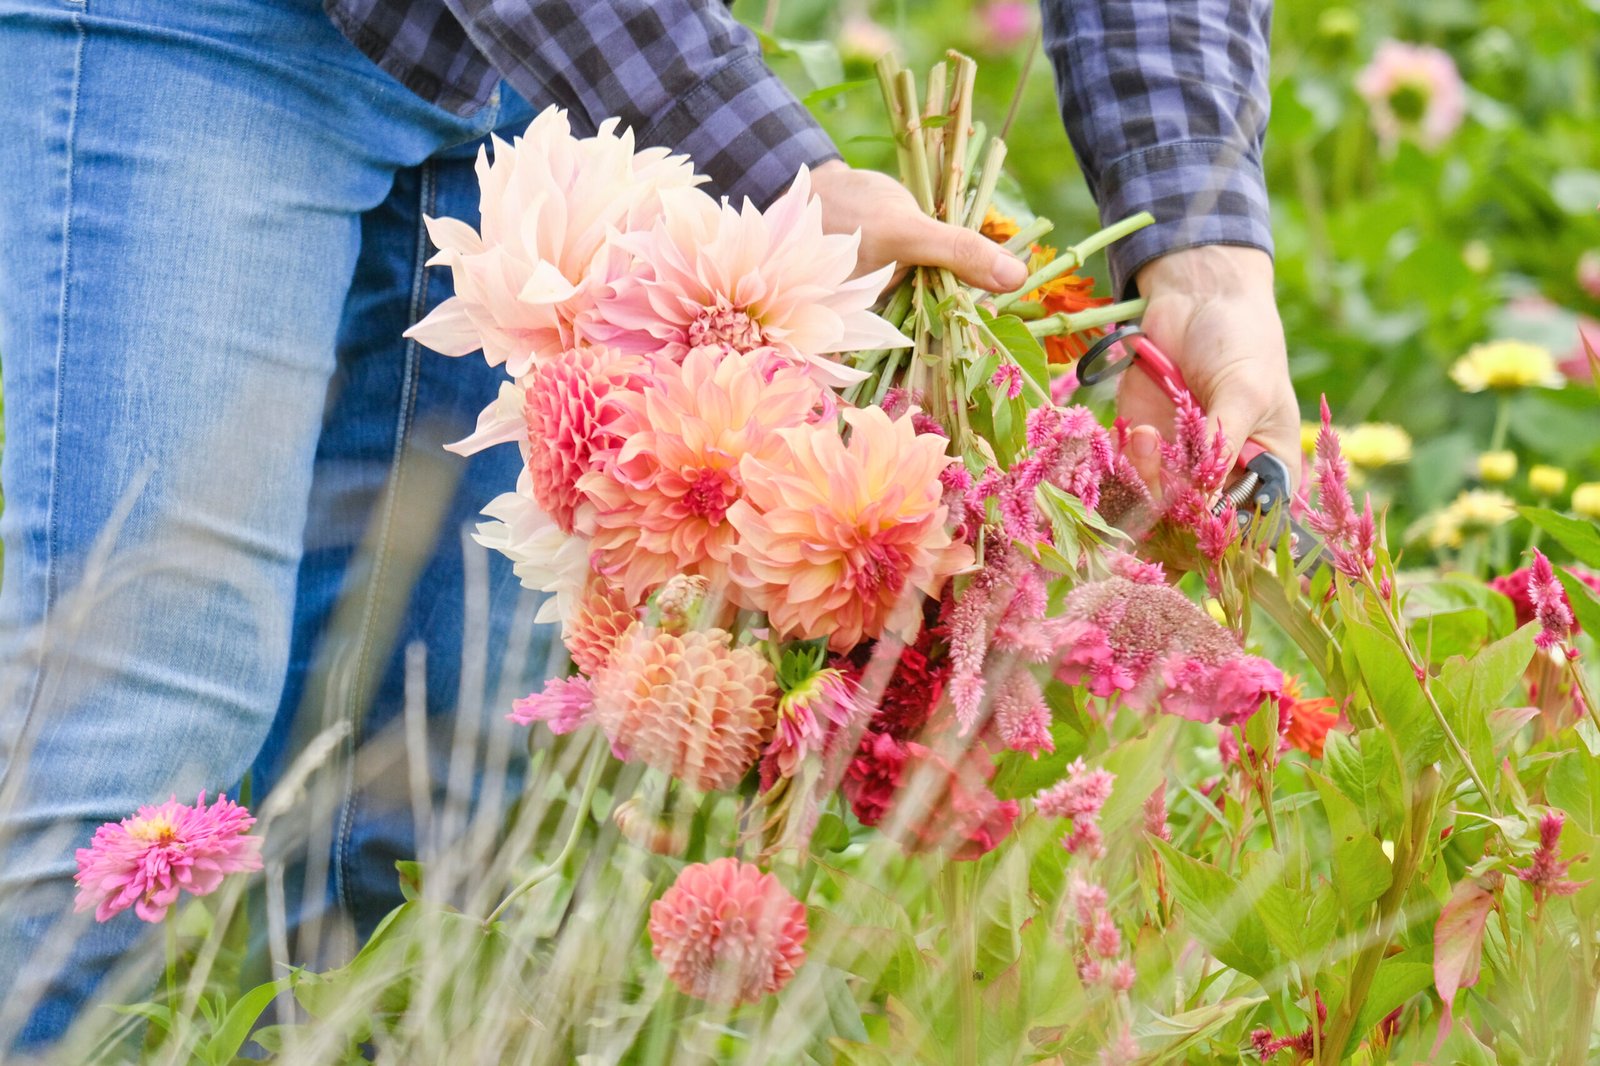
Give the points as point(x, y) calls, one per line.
point(1547, 480)
point(1586, 499)
point(1497, 467)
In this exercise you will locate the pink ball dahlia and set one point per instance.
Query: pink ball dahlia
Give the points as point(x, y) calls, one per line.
point(1154, 645)
point(710, 274)
point(570, 414)
point(551, 204)
point(843, 540)
point(602, 615)
point(658, 504)
point(728, 933)
point(692, 705)
point(146, 861)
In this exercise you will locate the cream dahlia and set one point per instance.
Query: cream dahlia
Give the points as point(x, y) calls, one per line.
point(709, 274)
point(551, 204)
point(691, 705)
point(542, 556)
point(728, 933)
point(842, 540)
point(658, 504)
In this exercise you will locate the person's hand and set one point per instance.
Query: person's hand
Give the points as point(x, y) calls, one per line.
point(895, 230)
point(1213, 311)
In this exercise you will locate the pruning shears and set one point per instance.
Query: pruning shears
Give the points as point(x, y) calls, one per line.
point(1262, 481)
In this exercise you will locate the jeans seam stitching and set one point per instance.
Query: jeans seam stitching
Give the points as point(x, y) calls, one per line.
point(52, 519)
point(404, 421)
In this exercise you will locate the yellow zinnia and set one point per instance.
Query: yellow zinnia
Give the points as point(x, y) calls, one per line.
point(1586, 499)
point(1506, 365)
point(1495, 467)
point(1374, 444)
point(1547, 480)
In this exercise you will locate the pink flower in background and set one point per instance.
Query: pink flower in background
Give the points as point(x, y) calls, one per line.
point(728, 933)
point(1587, 273)
point(1007, 379)
point(147, 861)
point(952, 809)
point(710, 274)
point(1151, 643)
point(564, 704)
point(1155, 814)
point(690, 705)
point(842, 540)
point(1007, 23)
point(550, 203)
point(1515, 587)
point(1021, 717)
point(863, 40)
point(659, 503)
point(1546, 874)
point(1550, 605)
point(1415, 92)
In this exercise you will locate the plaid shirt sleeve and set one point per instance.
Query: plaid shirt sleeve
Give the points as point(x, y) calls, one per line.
point(1166, 102)
point(682, 73)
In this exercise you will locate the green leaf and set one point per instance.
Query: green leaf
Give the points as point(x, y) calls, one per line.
point(1013, 335)
point(1221, 912)
point(1470, 689)
point(1300, 926)
point(1397, 699)
point(410, 879)
point(818, 59)
point(1364, 770)
point(241, 1018)
point(831, 833)
point(1397, 980)
point(844, 1014)
point(1580, 538)
point(831, 93)
point(1361, 871)
point(1585, 604)
point(1573, 784)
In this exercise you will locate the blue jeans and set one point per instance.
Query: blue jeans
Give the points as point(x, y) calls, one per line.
point(227, 514)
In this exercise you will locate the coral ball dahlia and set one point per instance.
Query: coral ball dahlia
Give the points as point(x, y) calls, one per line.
point(728, 933)
point(842, 540)
point(692, 705)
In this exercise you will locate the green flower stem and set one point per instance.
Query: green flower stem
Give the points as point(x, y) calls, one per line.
point(988, 178)
point(888, 71)
point(171, 924)
point(1025, 237)
point(956, 133)
point(580, 817)
point(1075, 255)
point(1409, 850)
point(1502, 422)
point(920, 180)
point(963, 959)
point(1057, 324)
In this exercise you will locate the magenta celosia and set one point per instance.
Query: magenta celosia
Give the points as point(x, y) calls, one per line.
point(564, 704)
point(1155, 814)
point(1097, 942)
point(147, 861)
point(1021, 717)
point(1151, 643)
point(1007, 379)
point(1549, 602)
point(1078, 796)
point(1350, 537)
point(1546, 875)
point(728, 933)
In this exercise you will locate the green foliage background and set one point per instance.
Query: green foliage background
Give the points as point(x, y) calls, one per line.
point(1389, 267)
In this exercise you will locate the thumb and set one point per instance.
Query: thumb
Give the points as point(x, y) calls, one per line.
point(1144, 451)
point(969, 255)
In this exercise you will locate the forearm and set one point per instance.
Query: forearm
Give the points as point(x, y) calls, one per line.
point(1166, 106)
point(683, 74)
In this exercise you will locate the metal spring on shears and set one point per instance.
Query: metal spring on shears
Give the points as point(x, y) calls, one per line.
point(1241, 492)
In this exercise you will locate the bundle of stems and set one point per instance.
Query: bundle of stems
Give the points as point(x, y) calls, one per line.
point(938, 146)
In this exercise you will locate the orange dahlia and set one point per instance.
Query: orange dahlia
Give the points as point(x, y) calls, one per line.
point(691, 705)
point(658, 505)
point(602, 614)
point(843, 540)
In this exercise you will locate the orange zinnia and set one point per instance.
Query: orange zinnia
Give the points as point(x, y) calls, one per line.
point(1067, 294)
point(1309, 720)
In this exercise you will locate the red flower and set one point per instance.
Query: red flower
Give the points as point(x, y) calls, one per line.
point(957, 809)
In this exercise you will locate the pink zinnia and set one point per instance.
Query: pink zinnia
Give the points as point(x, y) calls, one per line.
point(1160, 650)
point(146, 861)
point(747, 279)
point(1549, 601)
point(551, 204)
point(659, 503)
point(1415, 91)
point(728, 933)
point(843, 540)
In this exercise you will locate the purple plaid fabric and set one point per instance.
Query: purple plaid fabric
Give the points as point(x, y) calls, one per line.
point(1165, 102)
point(681, 73)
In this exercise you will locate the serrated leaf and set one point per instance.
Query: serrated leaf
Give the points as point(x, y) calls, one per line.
point(1363, 768)
point(1580, 538)
point(1573, 784)
point(1361, 871)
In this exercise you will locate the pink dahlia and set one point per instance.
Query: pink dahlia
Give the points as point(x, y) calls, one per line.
point(1415, 92)
point(691, 705)
point(659, 503)
point(710, 274)
point(146, 861)
point(551, 206)
point(570, 415)
point(1159, 649)
point(843, 540)
point(728, 933)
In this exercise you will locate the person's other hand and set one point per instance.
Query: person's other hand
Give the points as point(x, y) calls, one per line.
point(895, 230)
point(1213, 311)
